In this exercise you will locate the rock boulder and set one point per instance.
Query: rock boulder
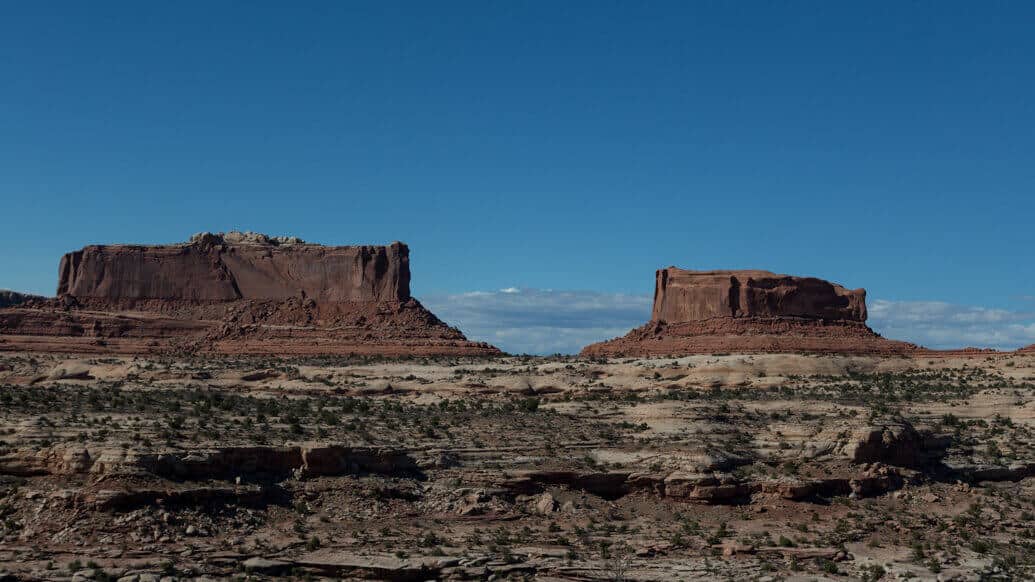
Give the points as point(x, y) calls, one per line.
point(894, 443)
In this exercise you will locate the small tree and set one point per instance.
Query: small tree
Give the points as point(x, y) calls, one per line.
point(617, 559)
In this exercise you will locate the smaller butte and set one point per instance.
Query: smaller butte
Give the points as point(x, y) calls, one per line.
point(748, 311)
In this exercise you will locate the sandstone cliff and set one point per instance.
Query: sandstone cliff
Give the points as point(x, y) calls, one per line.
point(235, 293)
point(681, 295)
point(213, 268)
point(749, 311)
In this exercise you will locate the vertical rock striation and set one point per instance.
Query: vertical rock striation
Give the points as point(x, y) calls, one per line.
point(681, 295)
point(213, 268)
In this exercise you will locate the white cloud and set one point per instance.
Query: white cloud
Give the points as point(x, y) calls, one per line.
point(937, 324)
point(541, 321)
point(544, 321)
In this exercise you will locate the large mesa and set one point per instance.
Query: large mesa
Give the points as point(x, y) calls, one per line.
point(749, 311)
point(235, 293)
point(236, 266)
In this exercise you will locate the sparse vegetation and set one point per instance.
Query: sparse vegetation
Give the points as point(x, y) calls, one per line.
point(525, 463)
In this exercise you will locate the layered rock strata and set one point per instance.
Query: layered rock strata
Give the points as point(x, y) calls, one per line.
point(234, 293)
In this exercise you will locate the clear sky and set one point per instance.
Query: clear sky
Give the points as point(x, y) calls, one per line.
point(539, 146)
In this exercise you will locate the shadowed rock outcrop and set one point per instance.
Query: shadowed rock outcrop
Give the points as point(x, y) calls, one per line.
point(234, 293)
point(749, 311)
point(11, 298)
point(895, 442)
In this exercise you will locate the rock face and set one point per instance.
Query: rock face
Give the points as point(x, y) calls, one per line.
point(749, 311)
point(234, 293)
point(894, 443)
point(681, 295)
point(213, 268)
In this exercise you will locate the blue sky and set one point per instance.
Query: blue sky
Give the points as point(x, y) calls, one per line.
point(543, 146)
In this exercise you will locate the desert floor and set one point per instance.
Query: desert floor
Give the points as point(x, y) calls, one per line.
point(755, 467)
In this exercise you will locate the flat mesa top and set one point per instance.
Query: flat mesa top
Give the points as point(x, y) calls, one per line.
point(239, 239)
point(759, 273)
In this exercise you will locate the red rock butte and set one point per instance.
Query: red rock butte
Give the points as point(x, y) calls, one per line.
point(750, 311)
point(235, 293)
